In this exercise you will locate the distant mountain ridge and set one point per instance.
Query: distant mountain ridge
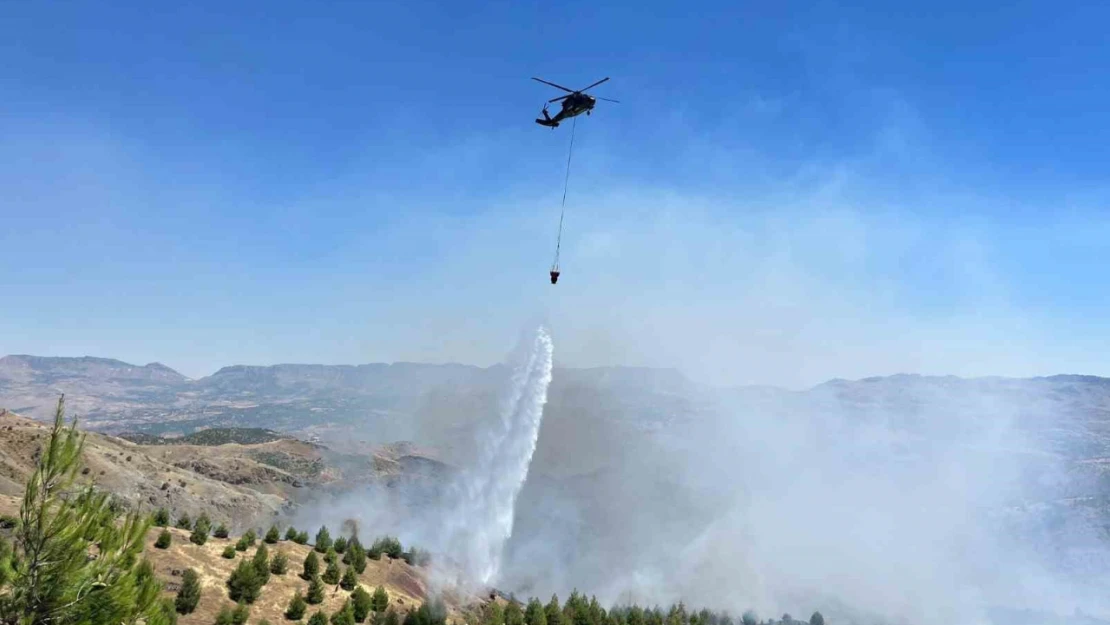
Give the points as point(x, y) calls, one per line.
point(113, 395)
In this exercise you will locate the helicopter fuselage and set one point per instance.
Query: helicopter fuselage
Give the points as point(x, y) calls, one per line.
point(576, 105)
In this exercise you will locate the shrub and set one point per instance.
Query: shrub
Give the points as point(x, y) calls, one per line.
point(320, 618)
point(242, 544)
point(221, 531)
point(302, 538)
point(162, 517)
point(272, 536)
point(291, 534)
point(164, 539)
point(184, 523)
point(340, 545)
point(229, 552)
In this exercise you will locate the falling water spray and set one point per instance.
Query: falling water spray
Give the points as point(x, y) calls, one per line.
point(479, 515)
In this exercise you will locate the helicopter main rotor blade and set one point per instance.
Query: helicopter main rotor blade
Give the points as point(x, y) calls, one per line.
point(597, 97)
point(594, 85)
point(553, 85)
point(562, 97)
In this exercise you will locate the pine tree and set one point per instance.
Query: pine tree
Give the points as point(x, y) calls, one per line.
point(168, 613)
point(495, 615)
point(320, 618)
point(261, 564)
point(49, 576)
point(331, 574)
point(242, 544)
point(345, 615)
point(315, 590)
point(749, 618)
point(380, 601)
point(340, 545)
point(240, 614)
point(229, 552)
point(200, 530)
point(184, 523)
point(355, 557)
point(391, 618)
point(273, 536)
point(188, 596)
point(297, 607)
point(534, 614)
point(221, 531)
point(226, 616)
point(362, 604)
point(244, 584)
point(553, 611)
point(386, 545)
point(250, 536)
point(164, 539)
point(279, 564)
point(291, 533)
point(817, 619)
point(323, 540)
point(331, 557)
point(349, 579)
point(311, 566)
point(513, 614)
point(353, 544)
point(162, 517)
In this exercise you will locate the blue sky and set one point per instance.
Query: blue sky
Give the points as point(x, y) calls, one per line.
point(787, 192)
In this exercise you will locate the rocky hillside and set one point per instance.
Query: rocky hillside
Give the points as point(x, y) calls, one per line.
point(238, 484)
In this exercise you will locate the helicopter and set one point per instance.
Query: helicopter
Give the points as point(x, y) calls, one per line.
point(574, 103)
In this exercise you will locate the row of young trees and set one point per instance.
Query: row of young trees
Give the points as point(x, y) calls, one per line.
point(202, 527)
point(362, 608)
point(577, 610)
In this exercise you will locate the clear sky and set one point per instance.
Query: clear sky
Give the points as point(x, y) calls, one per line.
point(787, 192)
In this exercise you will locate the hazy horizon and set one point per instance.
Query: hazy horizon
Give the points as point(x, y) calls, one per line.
point(558, 366)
